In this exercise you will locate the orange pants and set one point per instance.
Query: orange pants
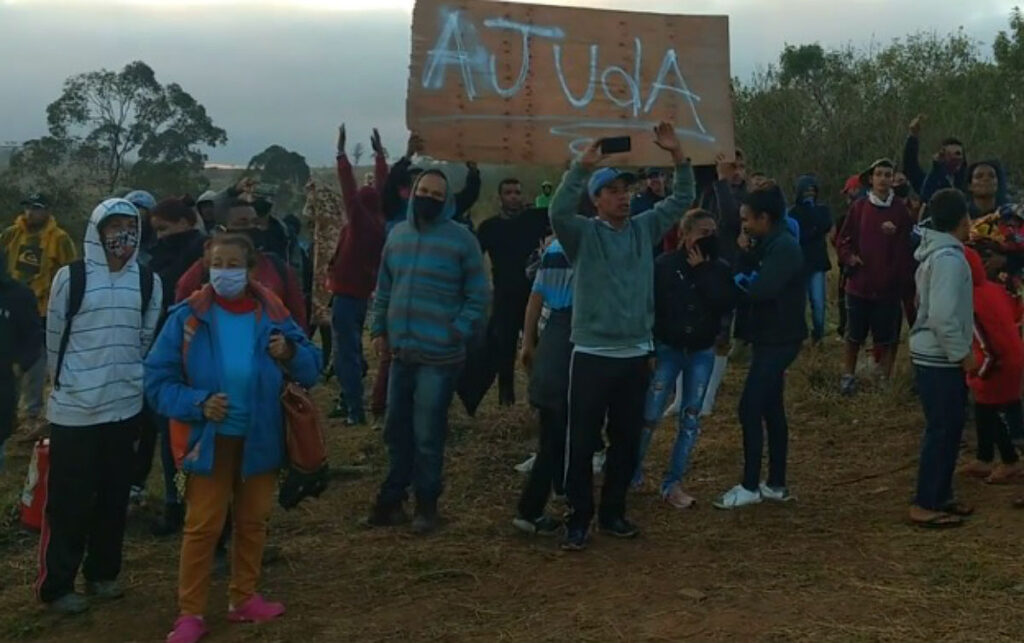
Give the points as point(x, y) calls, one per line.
point(207, 499)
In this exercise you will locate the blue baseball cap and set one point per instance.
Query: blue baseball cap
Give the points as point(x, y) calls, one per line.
point(607, 175)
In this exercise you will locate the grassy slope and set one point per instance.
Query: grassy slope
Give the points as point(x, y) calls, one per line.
point(838, 565)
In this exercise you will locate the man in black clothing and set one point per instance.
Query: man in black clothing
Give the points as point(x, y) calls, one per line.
point(395, 196)
point(815, 221)
point(509, 239)
point(723, 199)
point(21, 341)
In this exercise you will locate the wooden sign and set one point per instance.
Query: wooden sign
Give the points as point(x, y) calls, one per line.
point(512, 83)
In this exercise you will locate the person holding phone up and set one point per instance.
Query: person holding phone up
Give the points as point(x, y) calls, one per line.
point(613, 313)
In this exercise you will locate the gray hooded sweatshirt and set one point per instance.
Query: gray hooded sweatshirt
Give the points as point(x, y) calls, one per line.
point(942, 335)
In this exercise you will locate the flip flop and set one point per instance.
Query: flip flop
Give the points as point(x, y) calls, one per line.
point(959, 510)
point(939, 521)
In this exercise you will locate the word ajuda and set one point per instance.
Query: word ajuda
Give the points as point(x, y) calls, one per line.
point(459, 45)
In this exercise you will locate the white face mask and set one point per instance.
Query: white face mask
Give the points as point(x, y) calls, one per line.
point(229, 282)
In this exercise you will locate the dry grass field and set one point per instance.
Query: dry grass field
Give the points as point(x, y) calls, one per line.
point(840, 564)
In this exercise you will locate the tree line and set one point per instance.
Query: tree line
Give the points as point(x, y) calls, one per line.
point(826, 111)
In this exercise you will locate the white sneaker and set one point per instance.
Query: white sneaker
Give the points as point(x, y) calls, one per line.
point(776, 495)
point(526, 466)
point(598, 462)
point(737, 497)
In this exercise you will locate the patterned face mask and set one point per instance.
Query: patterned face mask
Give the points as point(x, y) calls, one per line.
point(121, 244)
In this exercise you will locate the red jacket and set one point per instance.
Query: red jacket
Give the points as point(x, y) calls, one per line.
point(354, 267)
point(288, 291)
point(997, 339)
point(887, 258)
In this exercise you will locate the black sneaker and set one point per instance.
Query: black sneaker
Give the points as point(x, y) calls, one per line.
point(620, 528)
point(575, 540)
point(543, 526)
point(386, 517)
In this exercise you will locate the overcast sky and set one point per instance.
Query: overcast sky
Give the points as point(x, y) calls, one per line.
point(288, 71)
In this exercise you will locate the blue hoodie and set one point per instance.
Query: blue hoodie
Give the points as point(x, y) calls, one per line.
point(432, 289)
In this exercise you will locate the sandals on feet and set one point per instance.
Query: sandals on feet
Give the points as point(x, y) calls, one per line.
point(958, 510)
point(939, 521)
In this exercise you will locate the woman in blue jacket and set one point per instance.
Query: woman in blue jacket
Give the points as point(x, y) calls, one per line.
point(217, 371)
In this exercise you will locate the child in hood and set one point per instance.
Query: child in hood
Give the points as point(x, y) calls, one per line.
point(999, 351)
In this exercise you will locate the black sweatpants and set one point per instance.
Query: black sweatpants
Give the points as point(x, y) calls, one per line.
point(149, 433)
point(994, 432)
point(87, 504)
point(549, 465)
point(506, 324)
point(599, 388)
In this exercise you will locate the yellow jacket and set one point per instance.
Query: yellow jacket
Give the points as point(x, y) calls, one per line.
point(33, 258)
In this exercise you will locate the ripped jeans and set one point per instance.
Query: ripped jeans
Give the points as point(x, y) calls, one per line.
point(695, 367)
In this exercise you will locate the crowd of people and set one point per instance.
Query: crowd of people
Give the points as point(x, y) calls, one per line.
point(619, 294)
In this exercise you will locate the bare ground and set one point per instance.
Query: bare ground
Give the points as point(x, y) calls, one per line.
point(840, 564)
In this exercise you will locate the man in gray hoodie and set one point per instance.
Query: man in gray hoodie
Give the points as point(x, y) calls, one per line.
point(940, 347)
point(613, 316)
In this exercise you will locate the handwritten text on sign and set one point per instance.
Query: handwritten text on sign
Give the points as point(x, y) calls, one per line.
point(518, 83)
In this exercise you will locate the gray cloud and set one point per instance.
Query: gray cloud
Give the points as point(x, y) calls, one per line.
point(272, 75)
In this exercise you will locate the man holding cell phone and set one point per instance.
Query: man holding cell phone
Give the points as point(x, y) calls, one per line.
point(613, 314)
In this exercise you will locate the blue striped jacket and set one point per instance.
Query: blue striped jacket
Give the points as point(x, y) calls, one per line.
point(432, 291)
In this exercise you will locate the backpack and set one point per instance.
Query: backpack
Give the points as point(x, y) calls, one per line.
point(76, 293)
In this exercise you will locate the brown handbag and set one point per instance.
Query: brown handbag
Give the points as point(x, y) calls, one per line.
point(304, 431)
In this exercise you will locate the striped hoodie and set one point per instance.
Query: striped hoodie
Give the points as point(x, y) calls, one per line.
point(432, 290)
point(101, 379)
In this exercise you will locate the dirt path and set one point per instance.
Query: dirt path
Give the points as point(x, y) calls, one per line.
point(838, 565)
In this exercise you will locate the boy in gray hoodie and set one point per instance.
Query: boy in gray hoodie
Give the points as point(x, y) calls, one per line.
point(940, 347)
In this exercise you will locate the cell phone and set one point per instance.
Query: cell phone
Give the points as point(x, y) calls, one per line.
point(616, 145)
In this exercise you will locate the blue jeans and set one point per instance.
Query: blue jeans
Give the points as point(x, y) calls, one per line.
point(348, 315)
point(763, 409)
point(417, 422)
point(943, 393)
point(696, 367)
point(816, 295)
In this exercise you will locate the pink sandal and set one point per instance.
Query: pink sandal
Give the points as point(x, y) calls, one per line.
point(188, 629)
point(255, 610)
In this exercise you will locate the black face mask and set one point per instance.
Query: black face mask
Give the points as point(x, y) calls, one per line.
point(708, 246)
point(426, 208)
point(902, 191)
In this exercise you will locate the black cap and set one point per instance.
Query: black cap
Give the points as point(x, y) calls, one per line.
point(36, 201)
point(652, 171)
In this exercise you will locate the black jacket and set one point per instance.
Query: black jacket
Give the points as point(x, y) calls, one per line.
point(723, 201)
point(172, 256)
point(771, 310)
point(815, 222)
point(21, 341)
point(689, 302)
